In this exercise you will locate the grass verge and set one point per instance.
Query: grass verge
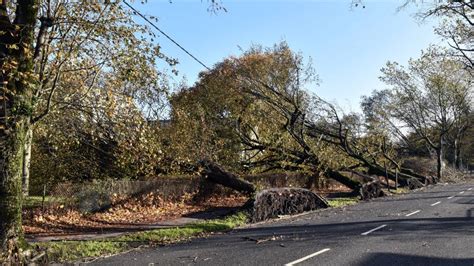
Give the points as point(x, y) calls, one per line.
point(341, 202)
point(37, 201)
point(70, 251)
point(400, 190)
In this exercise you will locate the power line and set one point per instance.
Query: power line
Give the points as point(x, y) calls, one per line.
point(177, 44)
point(166, 35)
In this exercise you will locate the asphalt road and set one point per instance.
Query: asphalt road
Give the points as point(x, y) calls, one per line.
point(433, 226)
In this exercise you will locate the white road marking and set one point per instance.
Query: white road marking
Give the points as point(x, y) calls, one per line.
point(307, 257)
point(436, 203)
point(451, 197)
point(415, 212)
point(461, 192)
point(469, 188)
point(375, 229)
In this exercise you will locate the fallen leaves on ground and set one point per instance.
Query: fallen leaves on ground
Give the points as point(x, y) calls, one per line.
point(125, 214)
point(128, 214)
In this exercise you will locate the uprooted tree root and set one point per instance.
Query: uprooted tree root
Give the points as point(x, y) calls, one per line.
point(414, 183)
point(371, 190)
point(270, 203)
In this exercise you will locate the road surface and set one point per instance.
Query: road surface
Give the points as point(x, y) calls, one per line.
point(433, 226)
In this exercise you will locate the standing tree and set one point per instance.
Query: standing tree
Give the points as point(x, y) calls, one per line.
point(81, 49)
point(18, 81)
point(464, 120)
point(51, 55)
point(457, 28)
point(429, 98)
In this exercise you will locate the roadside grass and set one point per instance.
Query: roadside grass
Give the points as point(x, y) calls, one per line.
point(341, 202)
point(37, 201)
point(400, 190)
point(82, 250)
point(70, 251)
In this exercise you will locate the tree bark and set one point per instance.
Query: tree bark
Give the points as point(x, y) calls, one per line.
point(16, 61)
point(457, 153)
point(11, 157)
point(214, 173)
point(439, 160)
point(380, 171)
point(27, 162)
point(411, 173)
point(406, 177)
point(348, 182)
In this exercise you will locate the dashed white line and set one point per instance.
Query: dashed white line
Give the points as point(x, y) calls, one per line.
point(469, 188)
point(461, 192)
point(375, 229)
point(451, 197)
point(411, 213)
point(436, 203)
point(307, 257)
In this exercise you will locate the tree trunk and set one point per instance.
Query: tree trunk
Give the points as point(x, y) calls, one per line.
point(27, 162)
point(18, 80)
point(214, 173)
point(410, 172)
point(403, 178)
point(386, 176)
point(348, 182)
point(439, 160)
point(406, 177)
point(457, 153)
point(11, 159)
point(380, 171)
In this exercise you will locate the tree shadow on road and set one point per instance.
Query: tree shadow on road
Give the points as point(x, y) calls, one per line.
point(387, 259)
point(422, 198)
point(404, 228)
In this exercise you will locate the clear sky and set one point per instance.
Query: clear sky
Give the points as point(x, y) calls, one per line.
point(348, 46)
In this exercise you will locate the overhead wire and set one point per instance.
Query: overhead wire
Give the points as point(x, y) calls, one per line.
point(166, 35)
point(175, 42)
point(184, 49)
point(189, 53)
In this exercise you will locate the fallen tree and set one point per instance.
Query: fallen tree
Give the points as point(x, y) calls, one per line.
point(371, 189)
point(282, 127)
point(271, 203)
point(212, 172)
point(267, 203)
point(301, 121)
point(325, 124)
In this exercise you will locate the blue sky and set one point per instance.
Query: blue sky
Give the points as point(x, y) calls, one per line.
point(347, 46)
